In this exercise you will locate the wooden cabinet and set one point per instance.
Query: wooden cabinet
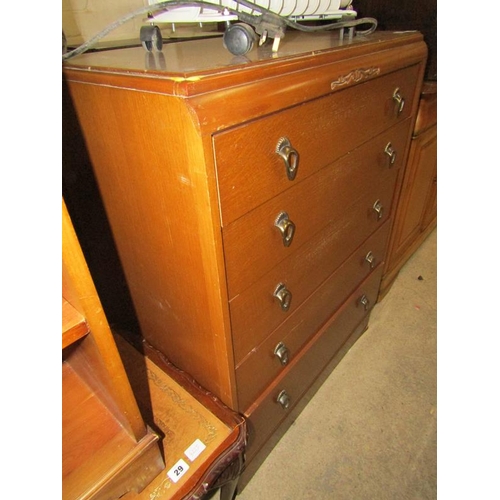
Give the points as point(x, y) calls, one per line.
point(251, 200)
point(107, 450)
point(416, 213)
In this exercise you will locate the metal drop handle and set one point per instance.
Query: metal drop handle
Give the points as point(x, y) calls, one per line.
point(286, 228)
point(284, 296)
point(364, 301)
point(283, 399)
point(282, 353)
point(370, 258)
point(391, 153)
point(399, 100)
point(290, 157)
point(377, 206)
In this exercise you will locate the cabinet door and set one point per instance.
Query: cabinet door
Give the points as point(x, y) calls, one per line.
point(430, 213)
point(417, 192)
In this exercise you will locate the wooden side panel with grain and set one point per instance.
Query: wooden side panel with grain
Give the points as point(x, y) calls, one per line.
point(150, 167)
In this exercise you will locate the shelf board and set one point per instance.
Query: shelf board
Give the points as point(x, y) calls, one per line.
point(74, 325)
point(93, 439)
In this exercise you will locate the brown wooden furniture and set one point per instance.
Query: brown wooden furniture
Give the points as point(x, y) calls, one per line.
point(251, 201)
point(416, 213)
point(107, 450)
point(199, 434)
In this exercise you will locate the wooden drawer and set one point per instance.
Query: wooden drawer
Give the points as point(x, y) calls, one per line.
point(266, 413)
point(260, 367)
point(256, 312)
point(253, 244)
point(250, 171)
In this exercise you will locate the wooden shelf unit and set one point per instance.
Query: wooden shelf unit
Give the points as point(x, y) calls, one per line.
point(107, 450)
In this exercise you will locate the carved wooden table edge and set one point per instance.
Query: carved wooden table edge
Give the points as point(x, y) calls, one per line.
point(225, 470)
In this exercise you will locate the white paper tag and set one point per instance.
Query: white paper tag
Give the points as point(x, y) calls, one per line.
point(194, 450)
point(178, 470)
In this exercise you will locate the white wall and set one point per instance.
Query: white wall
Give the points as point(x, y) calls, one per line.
point(82, 19)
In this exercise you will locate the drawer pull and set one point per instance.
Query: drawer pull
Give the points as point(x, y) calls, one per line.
point(290, 157)
point(286, 227)
point(370, 258)
point(391, 153)
point(377, 206)
point(282, 353)
point(283, 399)
point(399, 100)
point(364, 301)
point(284, 296)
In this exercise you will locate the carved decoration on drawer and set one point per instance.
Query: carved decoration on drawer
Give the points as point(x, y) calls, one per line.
point(355, 76)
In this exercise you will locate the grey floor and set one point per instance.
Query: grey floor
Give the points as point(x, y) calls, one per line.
point(370, 430)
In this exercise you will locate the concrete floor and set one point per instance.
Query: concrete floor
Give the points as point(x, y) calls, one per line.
point(370, 431)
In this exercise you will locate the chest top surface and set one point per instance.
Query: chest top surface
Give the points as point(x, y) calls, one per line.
point(197, 62)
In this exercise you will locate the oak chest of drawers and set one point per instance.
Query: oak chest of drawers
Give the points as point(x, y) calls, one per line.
point(251, 200)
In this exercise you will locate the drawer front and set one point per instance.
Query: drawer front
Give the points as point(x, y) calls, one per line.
point(254, 244)
point(249, 169)
point(266, 413)
point(256, 312)
point(264, 362)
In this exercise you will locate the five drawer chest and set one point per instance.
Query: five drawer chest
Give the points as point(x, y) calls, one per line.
point(251, 201)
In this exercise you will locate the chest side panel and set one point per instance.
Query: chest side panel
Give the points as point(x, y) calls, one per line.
point(149, 163)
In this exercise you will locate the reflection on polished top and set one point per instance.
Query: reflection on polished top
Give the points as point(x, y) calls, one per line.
point(192, 59)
